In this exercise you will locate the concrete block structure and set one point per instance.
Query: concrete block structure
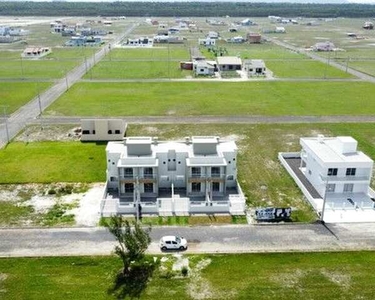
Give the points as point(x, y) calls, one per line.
point(229, 63)
point(197, 175)
point(102, 129)
point(36, 52)
point(254, 67)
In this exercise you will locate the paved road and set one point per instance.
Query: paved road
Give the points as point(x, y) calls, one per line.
point(209, 239)
point(251, 119)
point(17, 121)
point(312, 55)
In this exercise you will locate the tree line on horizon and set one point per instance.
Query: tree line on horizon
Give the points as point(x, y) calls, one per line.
point(185, 9)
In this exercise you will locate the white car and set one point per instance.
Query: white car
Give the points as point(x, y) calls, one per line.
point(172, 242)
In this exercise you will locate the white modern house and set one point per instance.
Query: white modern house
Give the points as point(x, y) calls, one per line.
point(208, 42)
point(197, 175)
point(254, 67)
point(139, 42)
point(204, 67)
point(36, 52)
point(335, 177)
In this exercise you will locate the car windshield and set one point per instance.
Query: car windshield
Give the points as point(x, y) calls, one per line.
point(178, 240)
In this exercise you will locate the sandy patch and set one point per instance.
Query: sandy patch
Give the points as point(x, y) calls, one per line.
point(198, 287)
point(180, 262)
point(290, 280)
point(171, 112)
point(38, 133)
point(41, 204)
point(88, 212)
point(151, 129)
point(343, 280)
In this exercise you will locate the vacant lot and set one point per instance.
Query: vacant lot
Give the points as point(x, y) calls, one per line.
point(52, 162)
point(136, 70)
point(243, 276)
point(304, 69)
point(156, 53)
point(15, 94)
point(217, 98)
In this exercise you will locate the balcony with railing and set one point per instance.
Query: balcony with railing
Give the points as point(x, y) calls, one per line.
point(327, 178)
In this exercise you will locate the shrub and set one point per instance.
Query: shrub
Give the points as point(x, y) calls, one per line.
point(184, 271)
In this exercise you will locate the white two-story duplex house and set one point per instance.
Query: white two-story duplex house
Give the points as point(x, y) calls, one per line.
point(197, 175)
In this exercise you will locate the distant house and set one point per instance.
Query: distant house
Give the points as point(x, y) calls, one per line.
point(368, 25)
point(102, 129)
point(213, 35)
point(208, 42)
point(167, 39)
point(236, 40)
point(254, 38)
point(107, 23)
point(324, 46)
point(274, 19)
point(84, 41)
point(232, 29)
point(139, 42)
point(254, 67)
point(229, 63)
point(173, 30)
point(280, 30)
point(204, 67)
point(247, 22)
point(36, 52)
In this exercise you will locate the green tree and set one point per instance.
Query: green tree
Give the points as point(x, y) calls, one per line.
point(132, 242)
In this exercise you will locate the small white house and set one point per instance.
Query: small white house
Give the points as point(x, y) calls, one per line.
point(102, 129)
point(280, 29)
point(139, 42)
point(324, 46)
point(36, 52)
point(208, 42)
point(213, 35)
point(229, 63)
point(204, 67)
point(254, 67)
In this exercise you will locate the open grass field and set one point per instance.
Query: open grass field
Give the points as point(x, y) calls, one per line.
point(162, 52)
point(136, 70)
point(52, 162)
point(15, 94)
point(304, 69)
point(217, 98)
point(290, 276)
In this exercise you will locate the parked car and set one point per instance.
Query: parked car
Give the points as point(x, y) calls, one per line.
point(172, 242)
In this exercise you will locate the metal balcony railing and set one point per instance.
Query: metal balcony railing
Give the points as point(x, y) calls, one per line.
point(326, 178)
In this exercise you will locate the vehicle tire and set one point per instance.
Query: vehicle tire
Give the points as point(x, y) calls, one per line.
point(164, 248)
point(182, 248)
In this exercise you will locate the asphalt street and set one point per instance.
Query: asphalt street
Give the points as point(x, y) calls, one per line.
point(204, 239)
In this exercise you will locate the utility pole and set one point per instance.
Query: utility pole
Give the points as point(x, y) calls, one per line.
point(66, 80)
point(6, 122)
point(22, 73)
point(169, 76)
point(324, 201)
point(347, 62)
point(86, 64)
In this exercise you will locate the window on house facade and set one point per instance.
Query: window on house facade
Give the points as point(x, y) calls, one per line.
point(350, 171)
point(216, 186)
point(196, 172)
point(148, 187)
point(331, 188)
point(332, 172)
point(128, 172)
point(129, 188)
point(215, 172)
point(348, 187)
point(148, 172)
point(195, 187)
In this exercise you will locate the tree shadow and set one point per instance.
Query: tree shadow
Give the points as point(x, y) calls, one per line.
point(131, 283)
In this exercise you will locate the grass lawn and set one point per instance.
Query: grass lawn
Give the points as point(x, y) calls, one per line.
point(347, 275)
point(162, 52)
point(367, 67)
point(16, 94)
point(136, 70)
point(230, 98)
point(304, 69)
point(46, 162)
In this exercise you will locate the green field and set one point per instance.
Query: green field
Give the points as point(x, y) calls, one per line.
point(217, 98)
point(279, 276)
point(52, 162)
point(136, 70)
point(15, 94)
point(155, 53)
point(304, 69)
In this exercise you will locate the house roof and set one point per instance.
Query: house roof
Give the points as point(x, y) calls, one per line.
point(257, 63)
point(229, 60)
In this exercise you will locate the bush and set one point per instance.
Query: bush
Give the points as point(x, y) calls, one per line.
point(51, 192)
point(184, 271)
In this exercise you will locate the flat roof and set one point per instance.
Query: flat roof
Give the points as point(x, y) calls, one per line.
point(229, 60)
point(327, 150)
